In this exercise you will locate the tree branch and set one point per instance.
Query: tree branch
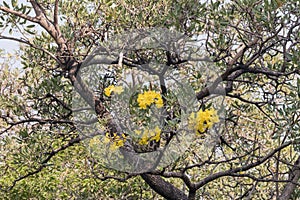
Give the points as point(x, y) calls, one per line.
point(240, 169)
point(19, 14)
point(55, 17)
point(43, 165)
point(26, 42)
point(164, 188)
point(294, 177)
point(48, 26)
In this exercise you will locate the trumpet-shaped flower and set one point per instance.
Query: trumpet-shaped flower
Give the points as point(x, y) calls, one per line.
point(203, 120)
point(112, 88)
point(149, 135)
point(149, 97)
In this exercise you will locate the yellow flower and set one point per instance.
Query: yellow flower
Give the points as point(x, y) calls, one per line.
point(107, 138)
point(143, 140)
point(157, 132)
point(147, 98)
point(119, 142)
point(159, 102)
point(115, 140)
point(112, 88)
point(113, 147)
point(203, 120)
point(149, 135)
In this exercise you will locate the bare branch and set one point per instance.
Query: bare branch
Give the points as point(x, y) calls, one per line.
point(55, 18)
point(240, 169)
point(27, 42)
point(34, 120)
point(48, 25)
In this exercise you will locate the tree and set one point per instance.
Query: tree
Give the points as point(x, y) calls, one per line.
point(249, 152)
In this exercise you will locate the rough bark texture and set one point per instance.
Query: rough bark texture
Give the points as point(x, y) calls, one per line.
point(164, 188)
point(294, 177)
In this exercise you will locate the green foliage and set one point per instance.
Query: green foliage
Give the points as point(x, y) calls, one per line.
point(258, 39)
point(68, 177)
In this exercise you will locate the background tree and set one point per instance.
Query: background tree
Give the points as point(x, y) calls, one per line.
point(254, 45)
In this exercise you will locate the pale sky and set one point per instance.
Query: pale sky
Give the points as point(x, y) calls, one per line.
point(8, 45)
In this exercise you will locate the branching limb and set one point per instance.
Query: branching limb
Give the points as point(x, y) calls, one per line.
point(240, 169)
point(55, 17)
point(27, 42)
point(163, 187)
point(19, 14)
point(44, 163)
point(48, 26)
point(294, 177)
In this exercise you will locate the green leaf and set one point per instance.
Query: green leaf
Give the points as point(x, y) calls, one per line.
point(5, 4)
point(30, 26)
point(30, 32)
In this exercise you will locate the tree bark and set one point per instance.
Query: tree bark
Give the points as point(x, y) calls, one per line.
point(290, 187)
point(192, 195)
point(164, 188)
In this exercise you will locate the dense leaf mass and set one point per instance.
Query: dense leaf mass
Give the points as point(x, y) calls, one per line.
point(249, 146)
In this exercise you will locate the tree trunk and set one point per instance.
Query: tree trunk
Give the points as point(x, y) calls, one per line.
point(164, 188)
point(294, 176)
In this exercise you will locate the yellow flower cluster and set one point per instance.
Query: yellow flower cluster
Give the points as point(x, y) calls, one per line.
point(203, 120)
point(147, 98)
point(112, 88)
point(115, 140)
point(149, 135)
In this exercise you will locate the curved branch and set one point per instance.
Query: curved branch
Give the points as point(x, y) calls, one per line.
point(48, 25)
point(44, 162)
point(19, 14)
point(164, 188)
point(240, 169)
point(26, 42)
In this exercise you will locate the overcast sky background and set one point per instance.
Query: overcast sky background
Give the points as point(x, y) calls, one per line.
point(8, 45)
